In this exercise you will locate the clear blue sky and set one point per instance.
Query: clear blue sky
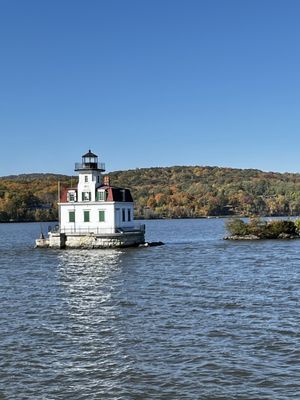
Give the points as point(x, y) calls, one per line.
point(149, 83)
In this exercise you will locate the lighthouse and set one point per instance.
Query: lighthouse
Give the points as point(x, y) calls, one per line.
point(95, 214)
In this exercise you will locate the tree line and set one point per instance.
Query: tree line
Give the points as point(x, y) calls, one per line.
point(193, 192)
point(171, 192)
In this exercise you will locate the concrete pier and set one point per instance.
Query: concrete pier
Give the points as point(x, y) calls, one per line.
point(59, 240)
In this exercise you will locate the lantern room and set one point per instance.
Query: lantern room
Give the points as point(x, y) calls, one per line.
point(89, 162)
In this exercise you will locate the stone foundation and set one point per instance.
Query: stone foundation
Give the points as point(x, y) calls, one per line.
point(42, 243)
point(57, 240)
point(94, 241)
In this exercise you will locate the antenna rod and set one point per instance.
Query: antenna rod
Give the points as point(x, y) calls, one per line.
point(58, 191)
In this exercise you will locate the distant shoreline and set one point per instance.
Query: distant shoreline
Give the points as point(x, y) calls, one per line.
point(166, 218)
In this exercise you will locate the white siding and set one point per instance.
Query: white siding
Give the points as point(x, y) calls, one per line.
point(90, 185)
point(88, 182)
point(108, 226)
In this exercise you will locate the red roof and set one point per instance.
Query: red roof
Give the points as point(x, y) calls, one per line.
point(117, 194)
point(113, 194)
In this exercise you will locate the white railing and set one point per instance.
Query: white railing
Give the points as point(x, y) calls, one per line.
point(98, 231)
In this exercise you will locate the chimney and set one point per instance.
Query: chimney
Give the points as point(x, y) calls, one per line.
point(106, 180)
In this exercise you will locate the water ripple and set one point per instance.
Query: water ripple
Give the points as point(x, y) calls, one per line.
point(196, 319)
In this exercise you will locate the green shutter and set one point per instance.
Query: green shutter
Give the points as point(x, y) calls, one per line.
point(86, 216)
point(101, 216)
point(71, 216)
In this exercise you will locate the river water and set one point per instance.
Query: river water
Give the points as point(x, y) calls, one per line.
point(198, 318)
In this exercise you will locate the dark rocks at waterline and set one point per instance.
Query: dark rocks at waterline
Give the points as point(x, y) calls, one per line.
point(151, 244)
point(282, 236)
point(288, 236)
point(240, 237)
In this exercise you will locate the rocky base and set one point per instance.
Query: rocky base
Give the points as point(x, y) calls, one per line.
point(254, 237)
point(127, 239)
point(92, 241)
point(151, 244)
point(42, 243)
point(239, 237)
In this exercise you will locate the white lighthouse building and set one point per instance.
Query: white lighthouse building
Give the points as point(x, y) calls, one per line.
point(95, 214)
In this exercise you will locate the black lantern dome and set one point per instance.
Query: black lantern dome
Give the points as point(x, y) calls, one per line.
point(90, 161)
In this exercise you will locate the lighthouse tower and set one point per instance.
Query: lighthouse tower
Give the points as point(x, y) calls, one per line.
point(89, 176)
point(95, 214)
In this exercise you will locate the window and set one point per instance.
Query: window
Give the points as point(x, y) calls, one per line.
point(86, 196)
point(101, 195)
point(128, 215)
point(101, 216)
point(86, 216)
point(71, 216)
point(98, 179)
point(123, 215)
point(71, 196)
point(86, 178)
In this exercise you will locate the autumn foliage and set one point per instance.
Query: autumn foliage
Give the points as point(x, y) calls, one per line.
point(172, 192)
point(193, 192)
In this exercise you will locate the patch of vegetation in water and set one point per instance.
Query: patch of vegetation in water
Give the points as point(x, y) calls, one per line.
point(257, 228)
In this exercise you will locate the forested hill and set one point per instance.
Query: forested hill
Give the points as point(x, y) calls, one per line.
point(211, 191)
point(171, 192)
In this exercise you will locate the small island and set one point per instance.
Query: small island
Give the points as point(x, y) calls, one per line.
point(257, 229)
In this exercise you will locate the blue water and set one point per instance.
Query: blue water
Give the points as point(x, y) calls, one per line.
point(198, 318)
